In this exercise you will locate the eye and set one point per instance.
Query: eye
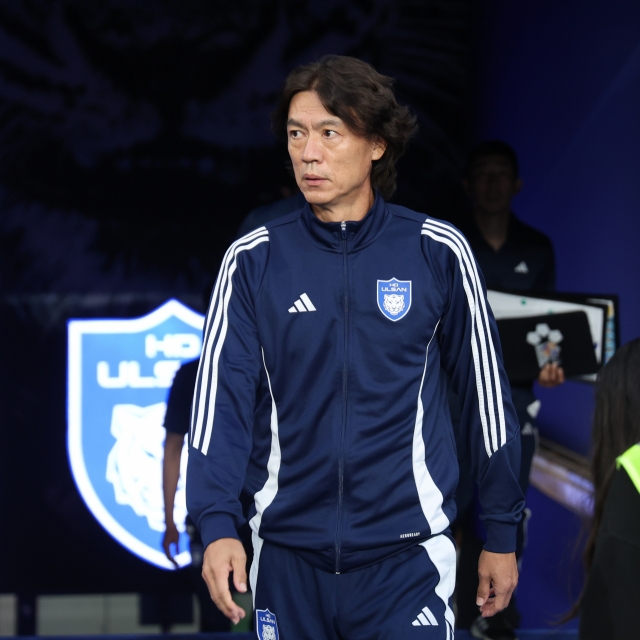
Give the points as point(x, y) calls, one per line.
point(295, 134)
point(329, 133)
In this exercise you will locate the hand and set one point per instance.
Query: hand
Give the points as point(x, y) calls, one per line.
point(498, 575)
point(171, 536)
point(551, 375)
point(222, 557)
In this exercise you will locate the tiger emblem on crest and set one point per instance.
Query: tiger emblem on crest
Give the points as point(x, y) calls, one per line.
point(393, 303)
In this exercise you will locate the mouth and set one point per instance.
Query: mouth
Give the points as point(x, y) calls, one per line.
point(313, 180)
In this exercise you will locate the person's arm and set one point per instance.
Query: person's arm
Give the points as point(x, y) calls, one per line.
point(220, 438)
point(470, 354)
point(551, 375)
point(170, 475)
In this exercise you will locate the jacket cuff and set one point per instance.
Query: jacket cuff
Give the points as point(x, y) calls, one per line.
point(215, 526)
point(501, 536)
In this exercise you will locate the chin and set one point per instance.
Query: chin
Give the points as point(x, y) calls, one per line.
point(315, 197)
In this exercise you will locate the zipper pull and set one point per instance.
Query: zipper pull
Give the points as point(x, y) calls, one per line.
point(343, 226)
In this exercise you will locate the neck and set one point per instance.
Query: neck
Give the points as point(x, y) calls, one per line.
point(352, 210)
point(493, 227)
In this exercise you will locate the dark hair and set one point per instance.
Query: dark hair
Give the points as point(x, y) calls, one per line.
point(492, 148)
point(616, 428)
point(363, 99)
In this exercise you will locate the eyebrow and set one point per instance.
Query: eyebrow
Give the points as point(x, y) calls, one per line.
point(333, 122)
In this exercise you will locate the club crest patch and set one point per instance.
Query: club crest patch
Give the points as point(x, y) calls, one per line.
point(266, 625)
point(394, 298)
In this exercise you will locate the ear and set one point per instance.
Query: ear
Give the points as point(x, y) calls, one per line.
point(517, 186)
point(379, 147)
point(466, 186)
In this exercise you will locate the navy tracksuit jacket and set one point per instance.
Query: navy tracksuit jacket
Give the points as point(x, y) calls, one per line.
point(322, 389)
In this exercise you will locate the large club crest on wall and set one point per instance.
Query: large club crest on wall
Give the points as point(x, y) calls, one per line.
point(119, 375)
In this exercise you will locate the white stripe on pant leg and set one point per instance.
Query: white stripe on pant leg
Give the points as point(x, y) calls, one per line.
point(443, 555)
point(255, 565)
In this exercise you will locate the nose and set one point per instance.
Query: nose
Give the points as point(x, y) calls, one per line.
point(312, 151)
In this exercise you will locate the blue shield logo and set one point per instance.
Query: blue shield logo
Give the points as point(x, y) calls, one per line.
point(119, 375)
point(266, 625)
point(394, 298)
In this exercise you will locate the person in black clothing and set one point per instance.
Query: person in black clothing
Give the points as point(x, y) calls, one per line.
point(176, 423)
point(512, 256)
point(610, 602)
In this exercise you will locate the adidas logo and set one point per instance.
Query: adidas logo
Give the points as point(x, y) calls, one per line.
point(522, 268)
point(527, 430)
point(425, 619)
point(302, 304)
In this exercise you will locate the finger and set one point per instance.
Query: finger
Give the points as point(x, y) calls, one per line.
point(556, 377)
point(218, 584)
point(498, 600)
point(489, 607)
point(229, 608)
point(543, 376)
point(166, 545)
point(493, 606)
point(488, 610)
point(484, 589)
point(170, 555)
point(551, 375)
point(501, 600)
point(217, 580)
point(239, 564)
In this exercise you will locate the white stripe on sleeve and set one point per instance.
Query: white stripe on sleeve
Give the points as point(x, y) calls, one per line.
point(474, 345)
point(482, 327)
point(463, 241)
point(204, 399)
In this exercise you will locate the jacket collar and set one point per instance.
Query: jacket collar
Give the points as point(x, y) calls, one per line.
point(358, 234)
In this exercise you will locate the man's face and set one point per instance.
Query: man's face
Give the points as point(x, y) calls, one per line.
point(332, 165)
point(492, 185)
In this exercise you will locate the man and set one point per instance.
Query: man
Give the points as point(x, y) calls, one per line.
point(349, 312)
point(512, 256)
point(176, 423)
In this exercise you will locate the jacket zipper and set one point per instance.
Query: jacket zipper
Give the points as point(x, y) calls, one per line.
point(343, 226)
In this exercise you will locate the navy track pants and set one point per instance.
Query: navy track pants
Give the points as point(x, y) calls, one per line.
point(405, 596)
